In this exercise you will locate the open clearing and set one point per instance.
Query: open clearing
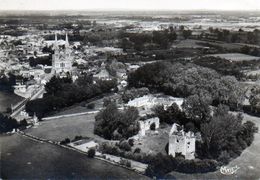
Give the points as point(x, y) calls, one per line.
point(152, 142)
point(236, 57)
point(67, 127)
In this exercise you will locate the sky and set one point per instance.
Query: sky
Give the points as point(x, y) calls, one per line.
point(130, 5)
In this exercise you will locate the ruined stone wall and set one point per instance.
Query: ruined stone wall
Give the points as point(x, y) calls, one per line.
point(181, 142)
point(145, 125)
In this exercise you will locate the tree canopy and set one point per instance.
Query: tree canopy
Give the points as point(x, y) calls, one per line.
point(114, 124)
point(183, 80)
point(61, 92)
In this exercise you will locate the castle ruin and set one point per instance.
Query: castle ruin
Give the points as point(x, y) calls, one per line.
point(181, 142)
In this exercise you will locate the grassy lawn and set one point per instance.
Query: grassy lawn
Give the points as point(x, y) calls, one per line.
point(23, 158)
point(154, 143)
point(67, 127)
point(80, 107)
point(236, 57)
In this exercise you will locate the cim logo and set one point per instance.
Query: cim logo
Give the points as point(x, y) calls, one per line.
point(228, 170)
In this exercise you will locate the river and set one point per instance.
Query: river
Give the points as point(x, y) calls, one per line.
point(6, 99)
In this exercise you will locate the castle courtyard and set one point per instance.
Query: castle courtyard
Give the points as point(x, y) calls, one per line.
point(154, 141)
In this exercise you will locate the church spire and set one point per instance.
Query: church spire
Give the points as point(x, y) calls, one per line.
point(56, 42)
point(67, 40)
point(56, 39)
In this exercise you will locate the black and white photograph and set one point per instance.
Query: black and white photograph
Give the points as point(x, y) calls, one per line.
point(130, 89)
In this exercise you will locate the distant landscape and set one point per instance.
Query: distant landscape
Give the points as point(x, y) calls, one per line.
point(129, 94)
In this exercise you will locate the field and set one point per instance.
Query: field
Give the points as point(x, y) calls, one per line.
point(187, 43)
point(67, 127)
point(80, 107)
point(236, 57)
point(23, 158)
point(248, 162)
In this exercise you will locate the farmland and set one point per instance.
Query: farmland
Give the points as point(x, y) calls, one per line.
point(23, 158)
point(67, 127)
point(236, 57)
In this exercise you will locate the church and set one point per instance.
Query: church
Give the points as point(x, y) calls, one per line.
point(62, 60)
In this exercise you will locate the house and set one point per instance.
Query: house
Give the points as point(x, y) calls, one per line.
point(181, 142)
point(145, 102)
point(103, 74)
point(84, 145)
point(149, 101)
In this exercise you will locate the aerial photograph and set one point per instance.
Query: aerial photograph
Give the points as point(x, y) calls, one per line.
point(130, 89)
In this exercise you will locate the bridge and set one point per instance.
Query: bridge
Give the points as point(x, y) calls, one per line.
point(17, 108)
point(36, 93)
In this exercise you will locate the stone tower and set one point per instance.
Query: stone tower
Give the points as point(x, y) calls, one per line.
point(181, 142)
point(61, 59)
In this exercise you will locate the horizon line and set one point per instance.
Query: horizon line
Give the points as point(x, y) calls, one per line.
point(119, 9)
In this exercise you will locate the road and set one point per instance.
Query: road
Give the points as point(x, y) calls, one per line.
point(21, 105)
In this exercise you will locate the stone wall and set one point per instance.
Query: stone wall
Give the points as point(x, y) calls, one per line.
point(181, 142)
point(146, 125)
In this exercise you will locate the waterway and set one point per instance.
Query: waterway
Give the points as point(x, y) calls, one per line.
point(6, 99)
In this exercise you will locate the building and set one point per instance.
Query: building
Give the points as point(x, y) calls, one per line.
point(146, 125)
point(145, 102)
point(103, 74)
point(62, 60)
point(84, 145)
point(181, 142)
point(149, 101)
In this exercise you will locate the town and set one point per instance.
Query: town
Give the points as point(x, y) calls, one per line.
point(168, 95)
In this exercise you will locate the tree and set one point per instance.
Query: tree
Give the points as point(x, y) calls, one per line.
point(171, 115)
point(65, 141)
point(181, 80)
point(245, 50)
point(112, 124)
point(84, 80)
point(91, 106)
point(7, 124)
point(61, 92)
point(124, 145)
point(247, 132)
point(91, 153)
point(254, 99)
point(134, 93)
point(53, 86)
point(137, 150)
point(220, 131)
point(186, 33)
point(197, 109)
point(47, 49)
